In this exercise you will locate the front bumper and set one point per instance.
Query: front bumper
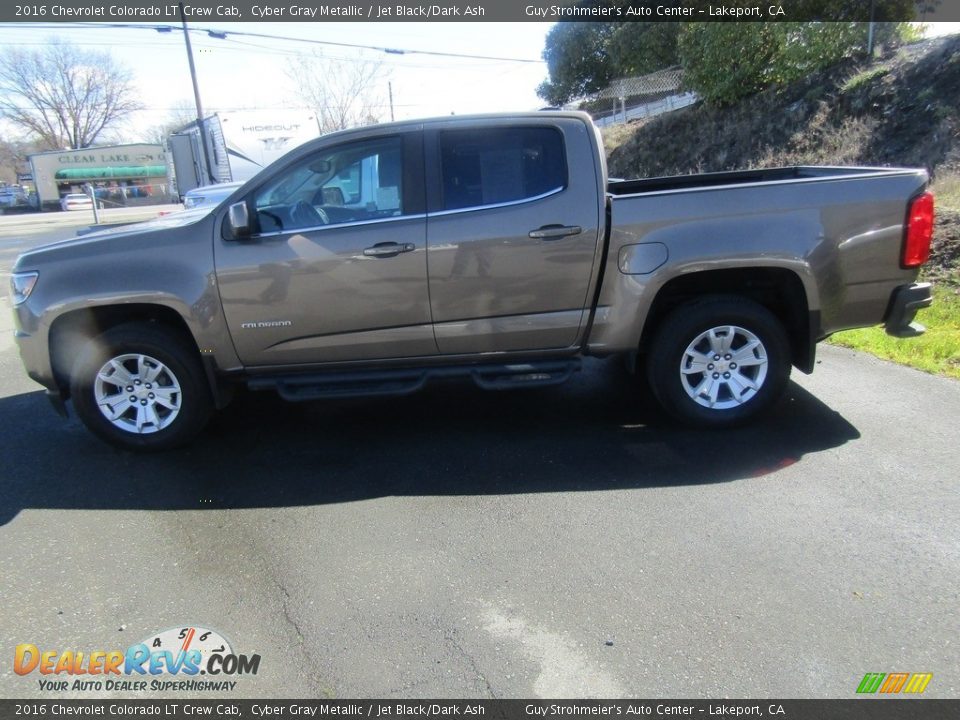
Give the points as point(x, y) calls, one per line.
point(905, 301)
point(30, 337)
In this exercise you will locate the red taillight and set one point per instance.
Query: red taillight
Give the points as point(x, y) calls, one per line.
point(916, 248)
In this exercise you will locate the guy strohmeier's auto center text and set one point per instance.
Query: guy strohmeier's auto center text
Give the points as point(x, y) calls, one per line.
point(635, 12)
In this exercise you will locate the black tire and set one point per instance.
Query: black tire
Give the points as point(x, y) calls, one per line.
point(743, 321)
point(193, 401)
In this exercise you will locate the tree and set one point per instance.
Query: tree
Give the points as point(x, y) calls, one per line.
point(577, 60)
point(740, 58)
point(343, 93)
point(724, 62)
point(584, 57)
point(642, 48)
point(13, 157)
point(64, 96)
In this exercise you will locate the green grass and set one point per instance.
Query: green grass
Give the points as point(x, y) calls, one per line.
point(936, 351)
point(863, 77)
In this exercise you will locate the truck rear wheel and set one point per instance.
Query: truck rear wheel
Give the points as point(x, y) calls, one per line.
point(718, 361)
point(140, 386)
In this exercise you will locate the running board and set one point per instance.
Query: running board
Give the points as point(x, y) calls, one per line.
point(404, 381)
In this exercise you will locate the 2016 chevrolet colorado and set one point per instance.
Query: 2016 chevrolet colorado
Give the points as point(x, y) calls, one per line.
point(372, 260)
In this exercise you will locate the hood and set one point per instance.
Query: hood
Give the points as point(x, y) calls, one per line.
point(128, 235)
point(173, 220)
point(164, 222)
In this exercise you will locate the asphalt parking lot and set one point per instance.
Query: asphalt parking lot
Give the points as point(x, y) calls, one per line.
point(563, 542)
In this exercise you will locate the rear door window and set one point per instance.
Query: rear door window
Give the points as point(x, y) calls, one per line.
point(500, 165)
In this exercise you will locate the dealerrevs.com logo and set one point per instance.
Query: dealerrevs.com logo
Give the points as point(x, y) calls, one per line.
point(172, 660)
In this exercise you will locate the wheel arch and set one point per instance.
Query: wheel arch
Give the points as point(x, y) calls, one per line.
point(779, 290)
point(73, 329)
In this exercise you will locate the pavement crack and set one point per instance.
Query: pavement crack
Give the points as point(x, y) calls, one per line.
point(449, 637)
point(292, 622)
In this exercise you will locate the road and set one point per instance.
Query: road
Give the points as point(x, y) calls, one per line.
point(542, 543)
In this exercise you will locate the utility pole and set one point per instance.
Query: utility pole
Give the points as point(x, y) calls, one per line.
point(390, 90)
point(196, 96)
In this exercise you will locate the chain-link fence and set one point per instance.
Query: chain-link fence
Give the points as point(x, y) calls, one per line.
point(631, 98)
point(662, 82)
point(624, 114)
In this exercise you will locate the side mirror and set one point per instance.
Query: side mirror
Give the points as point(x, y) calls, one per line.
point(238, 218)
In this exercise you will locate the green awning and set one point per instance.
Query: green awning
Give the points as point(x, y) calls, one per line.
point(99, 173)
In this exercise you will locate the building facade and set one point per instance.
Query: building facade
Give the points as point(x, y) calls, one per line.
point(120, 175)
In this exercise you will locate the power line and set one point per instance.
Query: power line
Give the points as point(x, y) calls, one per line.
point(239, 108)
point(241, 44)
point(224, 34)
point(238, 46)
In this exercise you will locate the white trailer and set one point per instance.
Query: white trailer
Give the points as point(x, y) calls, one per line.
point(239, 145)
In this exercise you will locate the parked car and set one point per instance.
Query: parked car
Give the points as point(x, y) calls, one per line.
point(492, 247)
point(12, 195)
point(76, 201)
point(209, 194)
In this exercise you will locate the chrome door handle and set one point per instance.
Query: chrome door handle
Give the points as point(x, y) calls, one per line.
point(553, 232)
point(389, 249)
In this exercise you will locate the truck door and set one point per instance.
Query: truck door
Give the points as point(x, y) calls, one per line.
point(335, 269)
point(512, 233)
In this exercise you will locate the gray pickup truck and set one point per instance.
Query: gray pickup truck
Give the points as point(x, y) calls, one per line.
point(492, 247)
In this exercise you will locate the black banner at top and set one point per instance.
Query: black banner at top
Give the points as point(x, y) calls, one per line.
point(160, 11)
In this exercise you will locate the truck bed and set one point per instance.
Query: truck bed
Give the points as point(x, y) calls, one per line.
point(835, 233)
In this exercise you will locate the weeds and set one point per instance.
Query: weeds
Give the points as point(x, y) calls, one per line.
point(864, 78)
point(946, 188)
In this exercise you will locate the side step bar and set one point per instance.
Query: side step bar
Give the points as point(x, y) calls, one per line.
point(404, 381)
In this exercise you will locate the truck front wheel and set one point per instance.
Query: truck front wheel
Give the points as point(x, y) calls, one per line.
point(139, 386)
point(718, 361)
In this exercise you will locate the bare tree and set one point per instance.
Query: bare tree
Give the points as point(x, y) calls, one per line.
point(343, 93)
point(181, 114)
point(64, 96)
point(13, 158)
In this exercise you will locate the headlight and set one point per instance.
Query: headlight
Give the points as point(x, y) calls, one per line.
point(21, 285)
